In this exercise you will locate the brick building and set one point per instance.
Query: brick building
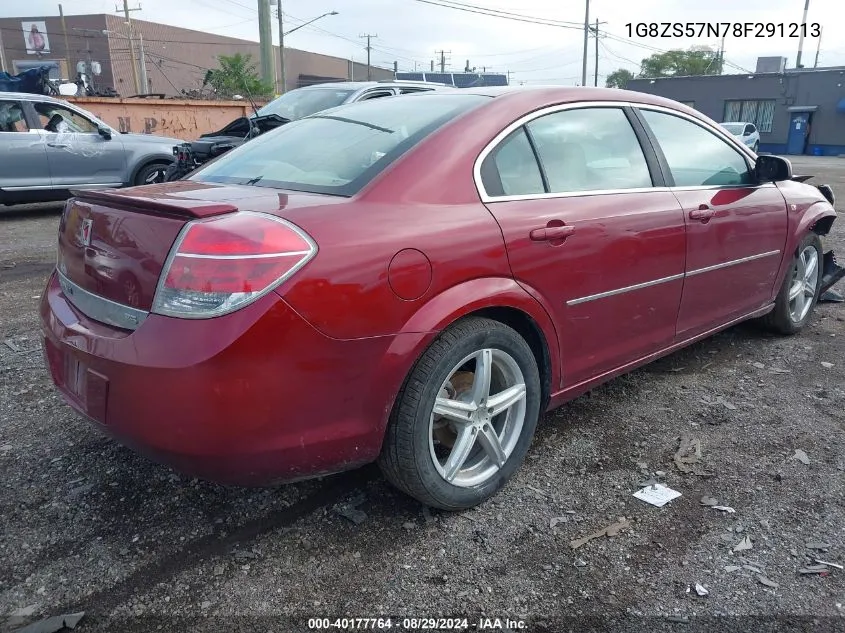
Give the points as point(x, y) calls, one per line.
point(175, 58)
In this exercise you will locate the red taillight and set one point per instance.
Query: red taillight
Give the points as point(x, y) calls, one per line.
point(221, 265)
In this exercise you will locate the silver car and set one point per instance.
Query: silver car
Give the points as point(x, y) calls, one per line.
point(303, 102)
point(48, 147)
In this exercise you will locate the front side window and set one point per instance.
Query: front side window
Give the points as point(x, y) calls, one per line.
point(56, 118)
point(337, 152)
point(697, 157)
point(11, 117)
point(589, 149)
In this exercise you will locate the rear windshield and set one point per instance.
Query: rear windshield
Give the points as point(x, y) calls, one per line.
point(301, 103)
point(338, 151)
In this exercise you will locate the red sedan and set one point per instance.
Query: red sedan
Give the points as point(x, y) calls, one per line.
point(415, 280)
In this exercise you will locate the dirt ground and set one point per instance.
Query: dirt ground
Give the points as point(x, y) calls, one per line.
point(88, 526)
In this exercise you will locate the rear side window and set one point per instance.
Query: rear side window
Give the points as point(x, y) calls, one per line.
point(697, 157)
point(511, 169)
point(11, 117)
point(339, 151)
point(589, 149)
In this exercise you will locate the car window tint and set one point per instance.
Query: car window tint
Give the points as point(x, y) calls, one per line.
point(511, 169)
point(695, 156)
point(340, 150)
point(55, 118)
point(377, 95)
point(11, 117)
point(589, 149)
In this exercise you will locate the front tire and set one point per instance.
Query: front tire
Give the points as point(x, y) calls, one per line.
point(465, 416)
point(800, 290)
point(151, 174)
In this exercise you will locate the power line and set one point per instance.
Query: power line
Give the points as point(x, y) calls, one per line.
point(509, 16)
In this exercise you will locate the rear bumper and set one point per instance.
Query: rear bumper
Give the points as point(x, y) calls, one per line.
point(251, 398)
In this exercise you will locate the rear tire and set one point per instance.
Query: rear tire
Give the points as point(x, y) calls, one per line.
point(460, 457)
point(799, 292)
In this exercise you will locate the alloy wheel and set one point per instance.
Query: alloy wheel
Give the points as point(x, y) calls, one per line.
point(805, 280)
point(477, 418)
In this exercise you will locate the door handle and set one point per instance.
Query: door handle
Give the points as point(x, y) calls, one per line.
point(551, 233)
point(58, 145)
point(703, 213)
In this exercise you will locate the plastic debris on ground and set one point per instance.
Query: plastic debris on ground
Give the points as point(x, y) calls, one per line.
point(743, 545)
point(801, 456)
point(765, 581)
point(714, 503)
point(54, 624)
point(611, 530)
point(700, 589)
point(657, 495)
point(688, 456)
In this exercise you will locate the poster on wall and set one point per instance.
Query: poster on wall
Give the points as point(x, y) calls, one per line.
point(35, 36)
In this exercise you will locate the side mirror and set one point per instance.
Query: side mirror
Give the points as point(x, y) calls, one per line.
point(772, 169)
point(104, 132)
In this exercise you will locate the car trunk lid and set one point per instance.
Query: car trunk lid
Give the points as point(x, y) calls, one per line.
point(113, 244)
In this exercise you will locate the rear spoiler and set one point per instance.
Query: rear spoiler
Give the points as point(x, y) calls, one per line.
point(155, 199)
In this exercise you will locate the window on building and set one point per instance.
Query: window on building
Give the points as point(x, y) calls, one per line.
point(759, 112)
point(689, 104)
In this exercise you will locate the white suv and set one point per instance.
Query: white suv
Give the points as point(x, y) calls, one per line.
point(745, 133)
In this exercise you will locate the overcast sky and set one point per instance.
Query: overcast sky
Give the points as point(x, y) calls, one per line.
point(410, 31)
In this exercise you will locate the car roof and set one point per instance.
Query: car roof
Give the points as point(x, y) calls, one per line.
point(27, 96)
point(358, 85)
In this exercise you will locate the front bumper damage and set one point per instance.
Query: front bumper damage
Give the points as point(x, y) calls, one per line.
point(831, 273)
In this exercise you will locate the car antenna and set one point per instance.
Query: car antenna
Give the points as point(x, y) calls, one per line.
point(254, 108)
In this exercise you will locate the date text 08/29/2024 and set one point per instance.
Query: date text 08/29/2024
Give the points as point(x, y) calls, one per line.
point(723, 29)
point(416, 624)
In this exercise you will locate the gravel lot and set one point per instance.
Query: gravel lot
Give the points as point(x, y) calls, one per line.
point(86, 525)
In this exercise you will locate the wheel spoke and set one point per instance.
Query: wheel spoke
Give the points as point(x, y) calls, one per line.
point(795, 290)
point(810, 269)
point(492, 445)
point(481, 380)
point(798, 313)
point(460, 451)
point(504, 400)
point(456, 411)
point(809, 289)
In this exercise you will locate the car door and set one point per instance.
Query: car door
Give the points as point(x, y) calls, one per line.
point(23, 154)
point(736, 228)
point(78, 154)
point(588, 233)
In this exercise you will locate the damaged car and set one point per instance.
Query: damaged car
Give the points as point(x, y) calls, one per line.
point(290, 106)
point(49, 146)
point(416, 281)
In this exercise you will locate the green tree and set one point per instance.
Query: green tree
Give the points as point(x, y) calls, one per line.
point(237, 74)
point(680, 63)
point(619, 78)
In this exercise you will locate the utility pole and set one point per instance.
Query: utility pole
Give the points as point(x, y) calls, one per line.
point(265, 37)
point(510, 72)
point(801, 37)
point(818, 48)
point(442, 55)
point(143, 62)
point(369, 48)
point(586, 35)
point(283, 80)
point(126, 11)
point(64, 31)
point(722, 55)
point(596, 78)
point(2, 54)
